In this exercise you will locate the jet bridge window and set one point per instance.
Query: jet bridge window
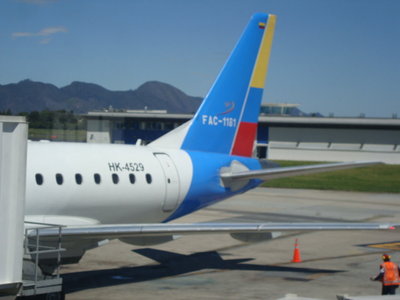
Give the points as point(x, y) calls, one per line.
point(78, 178)
point(115, 178)
point(39, 179)
point(148, 178)
point(132, 178)
point(97, 178)
point(59, 179)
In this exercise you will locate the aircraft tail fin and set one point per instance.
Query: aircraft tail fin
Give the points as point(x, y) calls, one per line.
point(227, 119)
point(226, 122)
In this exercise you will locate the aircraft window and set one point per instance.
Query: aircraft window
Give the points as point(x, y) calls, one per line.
point(132, 178)
point(148, 178)
point(39, 178)
point(97, 178)
point(115, 178)
point(78, 178)
point(59, 178)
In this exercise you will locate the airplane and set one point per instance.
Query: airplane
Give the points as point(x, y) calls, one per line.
point(100, 192)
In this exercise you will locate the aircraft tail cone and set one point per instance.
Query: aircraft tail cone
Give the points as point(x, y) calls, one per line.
point(296, 253)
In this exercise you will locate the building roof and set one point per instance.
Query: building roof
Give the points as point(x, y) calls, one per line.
point(331, 121)
point(273, 120)
point(137, 115)
point(17, 119)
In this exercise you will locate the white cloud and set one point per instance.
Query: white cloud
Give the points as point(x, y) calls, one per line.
point(44, 32)
point(51, 30)
point(21, 34)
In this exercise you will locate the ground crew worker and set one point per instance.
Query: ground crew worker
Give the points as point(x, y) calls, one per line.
point(389, 275)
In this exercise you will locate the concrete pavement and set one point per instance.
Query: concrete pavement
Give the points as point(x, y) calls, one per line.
point(220, 267)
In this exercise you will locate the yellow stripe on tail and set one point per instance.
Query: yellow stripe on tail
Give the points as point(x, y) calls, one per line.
point(261, 67)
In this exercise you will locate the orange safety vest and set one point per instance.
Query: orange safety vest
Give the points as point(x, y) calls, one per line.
point(391, 273)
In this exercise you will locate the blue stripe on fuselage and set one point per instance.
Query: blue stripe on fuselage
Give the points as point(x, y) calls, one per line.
point(206, 188)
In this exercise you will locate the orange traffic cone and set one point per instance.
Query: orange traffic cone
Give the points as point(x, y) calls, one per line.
point(296, 253)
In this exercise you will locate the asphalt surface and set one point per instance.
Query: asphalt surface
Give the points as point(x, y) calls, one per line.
point(220, 267)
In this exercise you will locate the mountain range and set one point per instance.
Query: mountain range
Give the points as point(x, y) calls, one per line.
point(81, 97)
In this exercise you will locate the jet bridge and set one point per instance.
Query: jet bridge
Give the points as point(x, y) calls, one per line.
point(13, 141)
point(20, 274)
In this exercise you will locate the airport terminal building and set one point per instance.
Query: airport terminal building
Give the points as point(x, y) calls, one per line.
point(280, 136)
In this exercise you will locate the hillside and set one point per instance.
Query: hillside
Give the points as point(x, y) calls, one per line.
point(81, 97)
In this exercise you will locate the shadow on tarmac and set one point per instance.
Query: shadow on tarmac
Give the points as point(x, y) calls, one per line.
point(175, 264)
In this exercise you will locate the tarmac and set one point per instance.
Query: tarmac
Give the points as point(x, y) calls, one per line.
point(220, 267)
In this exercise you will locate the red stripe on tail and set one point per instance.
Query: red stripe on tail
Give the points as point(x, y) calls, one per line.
point(244, 141)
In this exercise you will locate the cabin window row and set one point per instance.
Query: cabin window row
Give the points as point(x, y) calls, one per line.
point(59, 178)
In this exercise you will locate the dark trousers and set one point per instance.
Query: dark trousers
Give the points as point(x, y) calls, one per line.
point(389, 289)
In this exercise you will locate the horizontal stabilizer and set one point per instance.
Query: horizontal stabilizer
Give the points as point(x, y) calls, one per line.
point(274, 173)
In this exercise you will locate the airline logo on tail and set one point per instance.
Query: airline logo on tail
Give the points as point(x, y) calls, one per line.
point(230, 107)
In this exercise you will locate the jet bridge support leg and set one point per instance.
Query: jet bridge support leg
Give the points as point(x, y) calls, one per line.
point(35, 283)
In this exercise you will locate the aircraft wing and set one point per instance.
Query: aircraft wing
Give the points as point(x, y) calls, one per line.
point(274, 173)
point(99, 232)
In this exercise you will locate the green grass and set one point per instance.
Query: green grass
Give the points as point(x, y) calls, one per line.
point(67, 135)
point(377, 179)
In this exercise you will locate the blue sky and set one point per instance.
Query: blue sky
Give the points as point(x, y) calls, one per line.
point(340, 57)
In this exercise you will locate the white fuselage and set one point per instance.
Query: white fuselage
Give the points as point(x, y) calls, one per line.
point(135, 184)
